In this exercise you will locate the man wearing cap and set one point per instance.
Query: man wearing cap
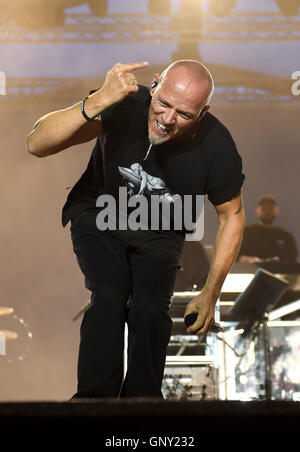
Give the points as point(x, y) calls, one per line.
point(264, 240)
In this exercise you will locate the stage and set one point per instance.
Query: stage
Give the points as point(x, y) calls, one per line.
point(145, 419)
point(246, 376)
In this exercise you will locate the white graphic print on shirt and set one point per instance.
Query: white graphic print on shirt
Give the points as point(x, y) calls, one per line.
point(140, 182)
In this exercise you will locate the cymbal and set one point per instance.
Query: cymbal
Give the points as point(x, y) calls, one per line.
point(9, 335)
point(6, 310)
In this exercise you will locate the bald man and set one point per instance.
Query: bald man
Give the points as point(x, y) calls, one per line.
point(157, 143)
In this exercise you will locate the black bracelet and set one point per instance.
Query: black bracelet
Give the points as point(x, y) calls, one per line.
point(93, 118)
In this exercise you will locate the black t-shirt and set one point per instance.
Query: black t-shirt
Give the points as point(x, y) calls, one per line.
point(208, 163)
point(267, 242)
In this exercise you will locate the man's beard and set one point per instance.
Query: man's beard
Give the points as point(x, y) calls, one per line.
point(155, 140)
point(267, 221)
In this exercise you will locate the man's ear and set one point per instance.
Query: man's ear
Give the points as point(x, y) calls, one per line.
point(204, 110)
point(154, 83)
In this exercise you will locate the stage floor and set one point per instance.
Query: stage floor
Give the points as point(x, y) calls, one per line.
point(144, 418)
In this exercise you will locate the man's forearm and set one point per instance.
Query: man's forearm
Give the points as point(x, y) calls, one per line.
point(61, 129)
point(54, 131)
point(227, 245)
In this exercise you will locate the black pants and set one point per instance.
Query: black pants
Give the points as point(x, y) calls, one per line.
point(118, 266)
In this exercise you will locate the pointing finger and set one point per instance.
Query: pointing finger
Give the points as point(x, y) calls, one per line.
point(133, 66)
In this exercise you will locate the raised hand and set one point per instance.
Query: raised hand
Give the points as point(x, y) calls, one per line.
point(119, 82)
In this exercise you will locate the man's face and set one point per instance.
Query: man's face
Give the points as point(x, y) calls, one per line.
point(174, 112)
point(267, 212)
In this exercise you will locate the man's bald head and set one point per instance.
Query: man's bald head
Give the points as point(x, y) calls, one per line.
point(180, 97)
point(191, 71)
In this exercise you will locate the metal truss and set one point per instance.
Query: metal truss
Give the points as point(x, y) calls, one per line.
point(266, 26)
point(59, 90)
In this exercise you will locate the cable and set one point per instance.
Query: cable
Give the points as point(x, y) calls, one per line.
point(239, 355)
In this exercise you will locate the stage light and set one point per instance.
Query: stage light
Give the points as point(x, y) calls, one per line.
point(159, 7)
point(98, 7)
point(33, 14)
point(221, 7)
point(288, 7)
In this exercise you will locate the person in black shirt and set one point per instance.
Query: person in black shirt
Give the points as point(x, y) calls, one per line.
point(264, 240)
point(158, 143)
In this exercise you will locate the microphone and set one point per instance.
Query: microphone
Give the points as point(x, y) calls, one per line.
point(191, 318)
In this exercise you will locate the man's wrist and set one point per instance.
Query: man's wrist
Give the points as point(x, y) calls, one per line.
point(84, 114)
point(90, 107)
point(95, 104)
point(211, 293)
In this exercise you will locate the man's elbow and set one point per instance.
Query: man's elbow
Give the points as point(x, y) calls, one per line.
point(235, 220)
point(34, 150)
